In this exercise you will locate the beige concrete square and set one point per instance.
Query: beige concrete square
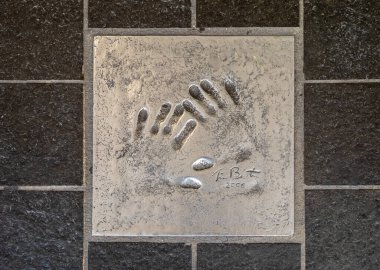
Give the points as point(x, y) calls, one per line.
point(193, 135)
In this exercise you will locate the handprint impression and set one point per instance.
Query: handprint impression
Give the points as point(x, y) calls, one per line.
point(185, 132)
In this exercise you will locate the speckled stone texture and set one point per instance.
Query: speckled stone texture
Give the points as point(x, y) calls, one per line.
point(342, 134)
point(246, 13)
point(139, 14)
point(41, 134)
point(41, 39)
point(342, 39)
point(343, 229)
point(41, 230)
point(120, 256)
point(248, 256)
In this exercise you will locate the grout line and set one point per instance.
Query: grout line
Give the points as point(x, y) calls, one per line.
point(239, 31)
point(85, 105)
point(303, 255)
point(301, 78)
point(43, 81)
point(345, 81)
point(85, 15)
point(194, 256)
point(43, 188)
point(85, 253)
point(193, 13)
point(348, 187)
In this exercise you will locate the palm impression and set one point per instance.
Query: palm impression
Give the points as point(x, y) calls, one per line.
point(201, 141)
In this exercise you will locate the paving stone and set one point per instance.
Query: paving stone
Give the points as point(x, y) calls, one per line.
point(342, 39)
point(343, 229)
point(246, 13)
point(41, 134)
point(248, 256)
point(41, 230)
point(41, 39)
point(342, 134)
point(151, 256)
point(139, 14)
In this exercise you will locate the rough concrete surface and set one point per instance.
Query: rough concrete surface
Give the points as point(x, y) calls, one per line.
point(140, 184)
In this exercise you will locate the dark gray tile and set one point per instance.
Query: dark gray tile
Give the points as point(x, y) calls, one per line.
point(139, 14)
point(41, 39)
point(41, 134)
point(249, 256)
point(342, 134)
point(41, 230)
point(342, 39)
point(151, 256)
point(246, 13)
point(343, 229)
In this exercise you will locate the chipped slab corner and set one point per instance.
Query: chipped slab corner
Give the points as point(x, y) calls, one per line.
point(193, 136)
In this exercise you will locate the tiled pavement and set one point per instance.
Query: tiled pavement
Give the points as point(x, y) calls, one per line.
point(44, 190)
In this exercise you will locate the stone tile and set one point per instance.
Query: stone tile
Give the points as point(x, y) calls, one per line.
point(342, 134)
point(41, 134)
point(144, 182)
point(139, 14)
point(41, 39)
point(151, 256)
point(248, 256)
point(41, 230)
point(342, 39)
point(246, 13)
point(343, 229)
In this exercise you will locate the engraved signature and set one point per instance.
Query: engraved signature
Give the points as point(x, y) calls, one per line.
point(234, 173)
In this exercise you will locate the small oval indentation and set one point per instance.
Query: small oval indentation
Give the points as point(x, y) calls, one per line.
point(190, 182)
point(203, 163)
